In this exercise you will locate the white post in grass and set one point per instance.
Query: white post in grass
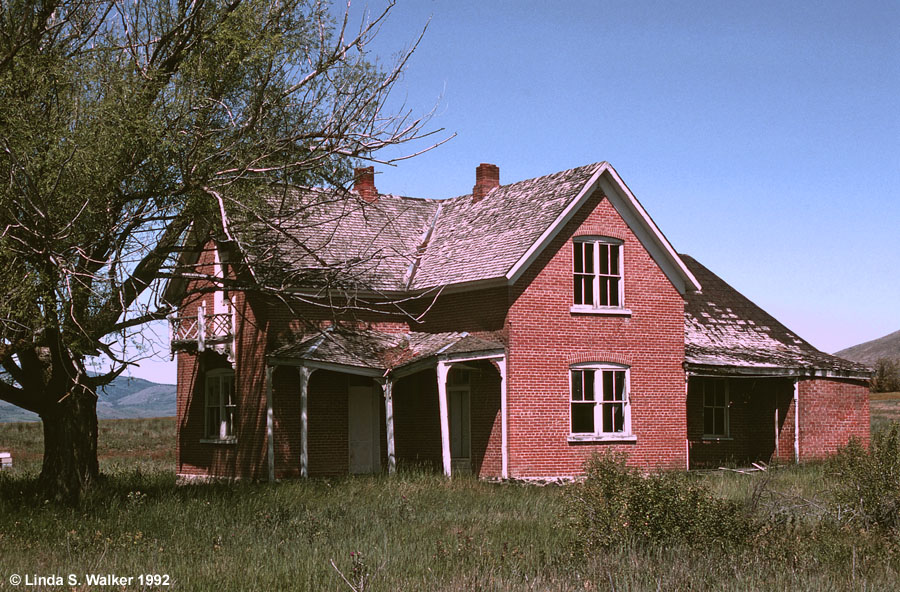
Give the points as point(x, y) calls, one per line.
point(304, 424)
point(796, 420)
point(504, 421)
point(388, 387)
point(442, 369)
point(270, 424)
point(777, 451)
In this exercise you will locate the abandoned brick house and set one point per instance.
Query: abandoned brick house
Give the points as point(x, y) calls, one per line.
point(521, 328)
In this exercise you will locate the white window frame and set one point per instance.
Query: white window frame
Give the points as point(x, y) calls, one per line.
point(595, 243)
point(216, 401)
point(705, 383)
point(598, 435)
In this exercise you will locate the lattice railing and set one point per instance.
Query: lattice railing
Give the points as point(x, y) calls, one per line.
point(198, 331)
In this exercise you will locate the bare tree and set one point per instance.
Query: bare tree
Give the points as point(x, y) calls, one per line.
point(122, 124)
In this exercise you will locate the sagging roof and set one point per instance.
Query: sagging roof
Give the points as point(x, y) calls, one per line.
point(399, 244)
point(726, 333)
point(380, 351)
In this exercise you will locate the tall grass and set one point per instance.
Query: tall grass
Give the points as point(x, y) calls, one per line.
point(415, 531)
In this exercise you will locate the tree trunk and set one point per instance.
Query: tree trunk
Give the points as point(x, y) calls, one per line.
point(70, 445)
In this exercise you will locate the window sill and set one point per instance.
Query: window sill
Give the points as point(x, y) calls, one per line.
point(218, 441)
point(603, 311)
point(717, 438)
point(602, 438)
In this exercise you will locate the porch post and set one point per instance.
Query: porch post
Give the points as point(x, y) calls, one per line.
point(777, 451)
point(442, 369)
point(504, 425)
point(201, 327)
point(270, 424)
point(388, 386)
point(796, 420)
point(687, 441)
point(304, 449)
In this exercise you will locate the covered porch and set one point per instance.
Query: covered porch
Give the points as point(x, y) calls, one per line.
point(348, 402)
point(736, 419)
point(755, 390)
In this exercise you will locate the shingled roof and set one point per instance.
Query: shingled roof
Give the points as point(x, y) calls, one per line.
point(726, 333)
point(409, 244)
point(484, 240)
point(306, 230)
point(380, 351)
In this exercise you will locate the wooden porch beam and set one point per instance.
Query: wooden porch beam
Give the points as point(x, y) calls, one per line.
point(270, 425)
point(388, 386)
point(504, 420)
point(796, 420)
point(442, 370)
point(304, 373)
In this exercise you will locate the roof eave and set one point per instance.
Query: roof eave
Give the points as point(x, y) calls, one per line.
point(695, 369)
point(635, 216)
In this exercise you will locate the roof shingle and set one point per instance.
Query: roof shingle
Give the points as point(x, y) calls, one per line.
point(724, 330)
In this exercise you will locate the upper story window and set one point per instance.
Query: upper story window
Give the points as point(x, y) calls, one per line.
point(220, 406)
point(600, 406)
point(597, 271)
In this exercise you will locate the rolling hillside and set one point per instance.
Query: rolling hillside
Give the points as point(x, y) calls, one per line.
point(123, 398)
point(871, 351)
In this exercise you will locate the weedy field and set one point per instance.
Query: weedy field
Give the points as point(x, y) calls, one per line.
point(418, 531)
point(884, 408)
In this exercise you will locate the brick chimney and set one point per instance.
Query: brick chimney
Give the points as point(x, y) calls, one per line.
point(364, 183)
point(487, 178)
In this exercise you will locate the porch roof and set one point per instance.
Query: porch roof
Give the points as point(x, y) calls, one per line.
point(726, 333)
point(376, 350)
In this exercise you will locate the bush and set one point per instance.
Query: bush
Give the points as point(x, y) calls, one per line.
point(616, 504)
point(887, 376)
point(867, 482)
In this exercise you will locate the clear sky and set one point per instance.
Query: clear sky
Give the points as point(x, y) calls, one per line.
point(762, 137)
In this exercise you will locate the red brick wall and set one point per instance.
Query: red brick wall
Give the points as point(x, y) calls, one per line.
point(545, 338)
point(485, 415)
point(831, 412)
point(247, 457)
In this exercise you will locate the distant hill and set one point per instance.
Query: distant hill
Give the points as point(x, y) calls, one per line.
point(872, 351)
point(123, 398)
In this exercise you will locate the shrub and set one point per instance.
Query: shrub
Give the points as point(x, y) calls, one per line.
point(866, 483)
point(887, 376)
point(616, 504)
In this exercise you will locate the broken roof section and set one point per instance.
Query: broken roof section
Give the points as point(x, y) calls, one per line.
point(725, 333)
point(380, 352)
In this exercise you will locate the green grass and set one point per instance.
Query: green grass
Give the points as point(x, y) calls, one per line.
point(416, 531)
point(884, 408)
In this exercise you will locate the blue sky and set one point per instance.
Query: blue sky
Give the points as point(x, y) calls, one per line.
point(763, 138)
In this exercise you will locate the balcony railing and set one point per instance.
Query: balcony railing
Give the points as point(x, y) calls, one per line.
point(197, 332)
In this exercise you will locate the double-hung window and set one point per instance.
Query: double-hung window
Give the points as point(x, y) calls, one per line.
point(220, 406)
point(715, 407)
point(599, 405)
point(597, 274)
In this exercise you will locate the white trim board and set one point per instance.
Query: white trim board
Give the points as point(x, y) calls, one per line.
point(626, 204)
